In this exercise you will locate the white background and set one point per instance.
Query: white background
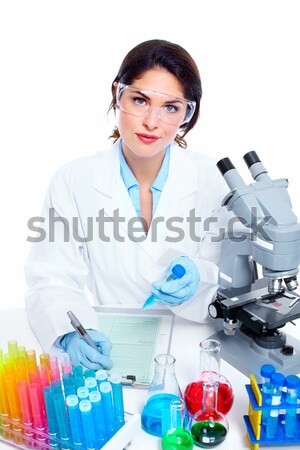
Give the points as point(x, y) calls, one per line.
point(57, 62)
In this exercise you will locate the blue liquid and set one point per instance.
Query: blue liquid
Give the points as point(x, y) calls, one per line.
point(156, 414)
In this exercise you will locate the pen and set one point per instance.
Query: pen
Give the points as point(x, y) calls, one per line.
point(81, 331)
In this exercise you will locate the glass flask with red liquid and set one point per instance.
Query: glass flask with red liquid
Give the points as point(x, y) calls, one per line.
point(209, 371)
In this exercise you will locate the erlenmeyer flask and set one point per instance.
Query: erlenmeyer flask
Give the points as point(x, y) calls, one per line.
point(164, 388)
point(209, 370)
point(209, 427)
point(177, 437)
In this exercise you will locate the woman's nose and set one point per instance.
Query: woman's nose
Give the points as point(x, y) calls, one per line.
point(151, 119)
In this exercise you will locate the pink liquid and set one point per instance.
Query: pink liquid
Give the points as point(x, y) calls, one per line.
point(194, 392)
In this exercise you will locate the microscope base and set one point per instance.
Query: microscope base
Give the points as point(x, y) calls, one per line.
point(245, 355)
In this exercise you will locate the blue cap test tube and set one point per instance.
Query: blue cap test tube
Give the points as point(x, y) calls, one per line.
point(98, 416)
point(292, 383)
point(109, 415)
point(85, 407)
point(91, 384)
point(101, 375)
point(83, 393)
point(117, 390)
point(266, 371)
point(277, 381)
point(75, 421)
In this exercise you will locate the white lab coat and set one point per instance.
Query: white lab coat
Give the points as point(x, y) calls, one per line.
point(117, 272)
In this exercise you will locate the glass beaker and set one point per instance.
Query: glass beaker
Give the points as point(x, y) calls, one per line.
point(164, 388)
point(209, 427)
point(209, 370)
point(177, 438)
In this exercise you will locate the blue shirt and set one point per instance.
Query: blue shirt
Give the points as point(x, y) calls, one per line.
point(132, 184)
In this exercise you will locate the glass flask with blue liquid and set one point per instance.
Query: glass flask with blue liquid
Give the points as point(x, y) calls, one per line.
point(164, 388)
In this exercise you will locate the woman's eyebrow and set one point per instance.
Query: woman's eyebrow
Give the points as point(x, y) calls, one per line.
point(174, 100)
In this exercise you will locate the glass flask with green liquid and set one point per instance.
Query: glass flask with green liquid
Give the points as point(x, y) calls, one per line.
point(177, 437)
point(164, 388)
point(209, 427)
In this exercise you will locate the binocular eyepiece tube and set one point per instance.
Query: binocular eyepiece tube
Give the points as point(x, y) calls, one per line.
point(231, 175)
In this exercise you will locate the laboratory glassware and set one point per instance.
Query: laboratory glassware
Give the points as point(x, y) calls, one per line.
point(177, 437)
point(163, 389)
point(266, 389)
point(209, 426)
point(292, 383)
point(277, 381)
point(209, 370)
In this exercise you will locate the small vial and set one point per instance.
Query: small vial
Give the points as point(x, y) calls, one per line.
point(109, 415)
point(75, 421)
point(266, 371)
point(292, 383)
point(277, 380)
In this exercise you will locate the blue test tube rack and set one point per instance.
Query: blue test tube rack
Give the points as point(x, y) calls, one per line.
point(256, 431)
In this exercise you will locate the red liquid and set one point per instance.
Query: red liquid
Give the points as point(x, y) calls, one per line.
point(194, 392)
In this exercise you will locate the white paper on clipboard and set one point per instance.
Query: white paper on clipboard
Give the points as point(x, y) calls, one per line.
point(137, 336)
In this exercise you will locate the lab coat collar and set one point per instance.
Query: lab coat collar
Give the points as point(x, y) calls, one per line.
point(182, 181)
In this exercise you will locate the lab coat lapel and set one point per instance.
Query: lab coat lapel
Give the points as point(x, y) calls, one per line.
point(181, 183)
point(108, 182)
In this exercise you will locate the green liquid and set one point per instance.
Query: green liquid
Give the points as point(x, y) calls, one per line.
point(208, 434)
point(177, 439)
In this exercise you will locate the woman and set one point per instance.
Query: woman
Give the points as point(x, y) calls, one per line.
point(115, 221)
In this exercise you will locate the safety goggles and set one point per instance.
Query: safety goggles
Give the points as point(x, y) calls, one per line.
point(138, 102)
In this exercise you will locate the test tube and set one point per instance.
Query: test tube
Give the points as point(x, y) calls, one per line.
point(266, 371)
point(56, 387)
point(78, 376)
point(89, 432)
point(27, 420)
point(117, 390)
point(83, 393)
point(277, 381)
point(12, 349)
point(91, 384)
point(51, 415)
point(37, 406)
point(292, 383)
point(98, 416)
point(31, 361)
point(4, 408)
point(89, 373)
point(66, 365)
point(109, 416)
point(75, 421)
point(68, 382)
point(54, 368)
point(101, 375)
point(62, 420)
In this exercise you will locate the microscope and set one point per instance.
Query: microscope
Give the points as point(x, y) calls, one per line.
point(254, 307)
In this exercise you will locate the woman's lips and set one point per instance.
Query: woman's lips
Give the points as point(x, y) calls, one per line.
point(147, 138)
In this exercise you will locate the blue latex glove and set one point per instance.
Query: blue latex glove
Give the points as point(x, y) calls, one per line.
point(82, 354)
point(175, 292)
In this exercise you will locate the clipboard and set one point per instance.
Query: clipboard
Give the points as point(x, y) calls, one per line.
point(137, 336)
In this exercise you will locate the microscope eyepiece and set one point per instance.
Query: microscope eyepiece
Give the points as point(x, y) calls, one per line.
point(224, 165)
point(251, 158)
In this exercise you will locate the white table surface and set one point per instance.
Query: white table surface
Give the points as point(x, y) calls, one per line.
point(185, 348)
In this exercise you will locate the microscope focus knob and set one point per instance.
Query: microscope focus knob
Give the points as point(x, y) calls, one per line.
point(215, 310)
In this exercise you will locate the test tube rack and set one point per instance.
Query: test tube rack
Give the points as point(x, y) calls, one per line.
point(18, 436)
point(16, 431)
point(256, 434)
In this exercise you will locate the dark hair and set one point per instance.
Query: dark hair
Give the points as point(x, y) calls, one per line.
point(171, 57)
